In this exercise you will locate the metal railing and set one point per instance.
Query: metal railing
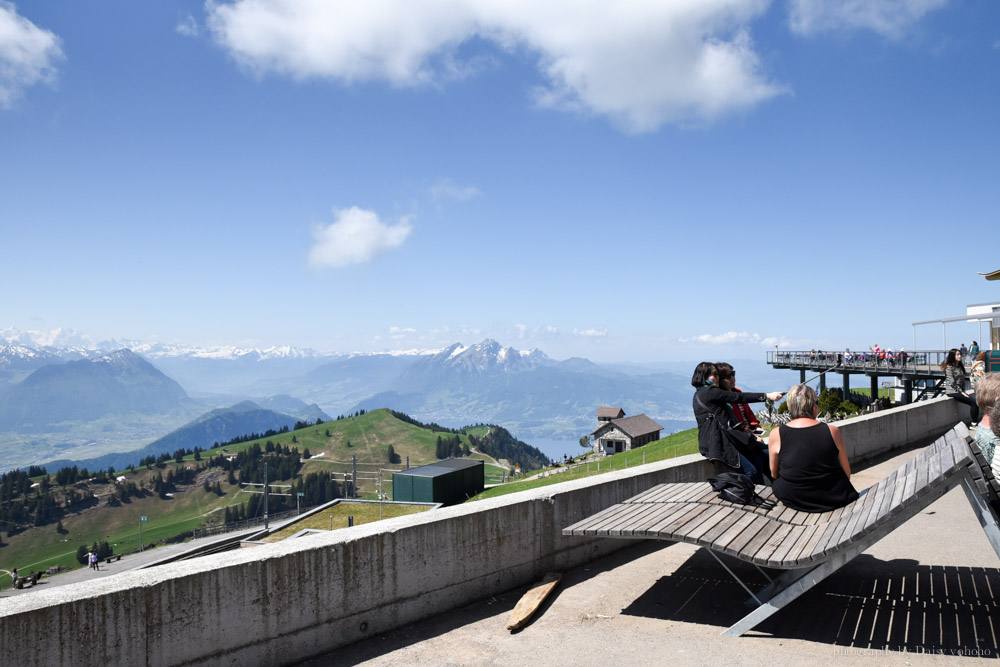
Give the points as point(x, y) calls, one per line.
point(923, 362)
point(244, 524)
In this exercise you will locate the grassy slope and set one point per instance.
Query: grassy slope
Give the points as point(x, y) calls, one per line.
point(370, 435)
point(678, 444)
point(336, 517)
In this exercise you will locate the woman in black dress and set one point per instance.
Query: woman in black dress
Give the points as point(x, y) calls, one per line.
point(808, 458)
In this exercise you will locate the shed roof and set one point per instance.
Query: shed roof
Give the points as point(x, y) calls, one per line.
point(634, 426)
point(610, 413)
point(440, 467)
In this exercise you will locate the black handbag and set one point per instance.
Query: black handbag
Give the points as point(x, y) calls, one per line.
point(736, 488)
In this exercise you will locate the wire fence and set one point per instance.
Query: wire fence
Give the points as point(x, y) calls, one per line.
point(244, 524)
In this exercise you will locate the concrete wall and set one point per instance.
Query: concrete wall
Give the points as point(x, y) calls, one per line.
point(280, 603)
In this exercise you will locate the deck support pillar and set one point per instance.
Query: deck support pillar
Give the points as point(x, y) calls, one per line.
point(847, 385)
point(874, 387)
point(907, 391)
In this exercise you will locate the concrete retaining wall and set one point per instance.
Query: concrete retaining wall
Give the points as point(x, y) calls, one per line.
point(280, 603)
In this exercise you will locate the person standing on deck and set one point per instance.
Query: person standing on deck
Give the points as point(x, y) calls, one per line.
point(954, 382)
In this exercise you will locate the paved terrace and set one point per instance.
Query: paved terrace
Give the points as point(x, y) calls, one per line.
point(438, 588)
point(927, 594)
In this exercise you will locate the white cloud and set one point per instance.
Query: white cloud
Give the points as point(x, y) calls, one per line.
point(448, 189)
point(737, 338)
point(590, 333)
point(27, 54)
point(641, 63)
point(356, 236)
point(889, 18)
point(188, 27)
point(401, 332)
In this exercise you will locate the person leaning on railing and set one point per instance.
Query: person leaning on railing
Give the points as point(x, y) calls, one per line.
point(954, 382)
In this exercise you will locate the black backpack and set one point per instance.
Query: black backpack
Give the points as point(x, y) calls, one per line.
point(736, 488)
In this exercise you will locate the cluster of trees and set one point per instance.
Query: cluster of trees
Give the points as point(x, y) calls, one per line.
point(351, 416)
point(35, 509)
point(832, 402)
point(449, 447)
point(283, 462)
point(269, 433)
point(432, 426)
point(316, 489)
point(500, 444)
point(72, 475)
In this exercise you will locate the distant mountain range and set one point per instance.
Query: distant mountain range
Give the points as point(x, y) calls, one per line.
point(216, 426)
point(55, 388)
point(76, 391)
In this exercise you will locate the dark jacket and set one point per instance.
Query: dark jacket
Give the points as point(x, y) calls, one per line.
point(715, 438)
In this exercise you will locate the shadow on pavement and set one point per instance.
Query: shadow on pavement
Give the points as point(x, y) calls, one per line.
point(870, 606)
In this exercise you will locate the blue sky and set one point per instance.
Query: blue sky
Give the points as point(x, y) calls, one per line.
point(621, 181)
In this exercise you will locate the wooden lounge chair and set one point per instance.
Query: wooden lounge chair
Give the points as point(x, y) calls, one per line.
point(808, 546)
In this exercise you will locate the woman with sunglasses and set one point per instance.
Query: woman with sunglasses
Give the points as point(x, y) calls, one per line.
point(717, 440)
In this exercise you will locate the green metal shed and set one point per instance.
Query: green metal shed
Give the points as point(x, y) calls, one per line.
point(448, 482)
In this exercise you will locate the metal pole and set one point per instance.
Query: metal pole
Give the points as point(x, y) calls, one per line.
point(265, 495)
point(354, 477)
point(140, 534)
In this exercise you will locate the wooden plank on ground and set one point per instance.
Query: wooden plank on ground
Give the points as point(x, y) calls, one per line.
point(532, 600)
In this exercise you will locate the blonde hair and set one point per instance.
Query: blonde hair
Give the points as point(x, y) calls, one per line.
point(801, 399)
point(988, 391)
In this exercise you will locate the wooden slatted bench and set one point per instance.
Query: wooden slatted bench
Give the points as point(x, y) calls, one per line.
point(808, 546)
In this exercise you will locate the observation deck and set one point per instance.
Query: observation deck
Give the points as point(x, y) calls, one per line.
point(920, 368)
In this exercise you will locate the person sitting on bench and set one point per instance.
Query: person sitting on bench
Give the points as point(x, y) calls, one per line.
point(737, 449)
point(808, 459)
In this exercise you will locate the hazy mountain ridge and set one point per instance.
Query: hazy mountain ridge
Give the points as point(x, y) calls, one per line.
point(214, 426)
point(121, 382)
point(525, 391)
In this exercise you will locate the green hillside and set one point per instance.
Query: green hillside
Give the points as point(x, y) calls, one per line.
point(677, 444)
point(96, 509)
